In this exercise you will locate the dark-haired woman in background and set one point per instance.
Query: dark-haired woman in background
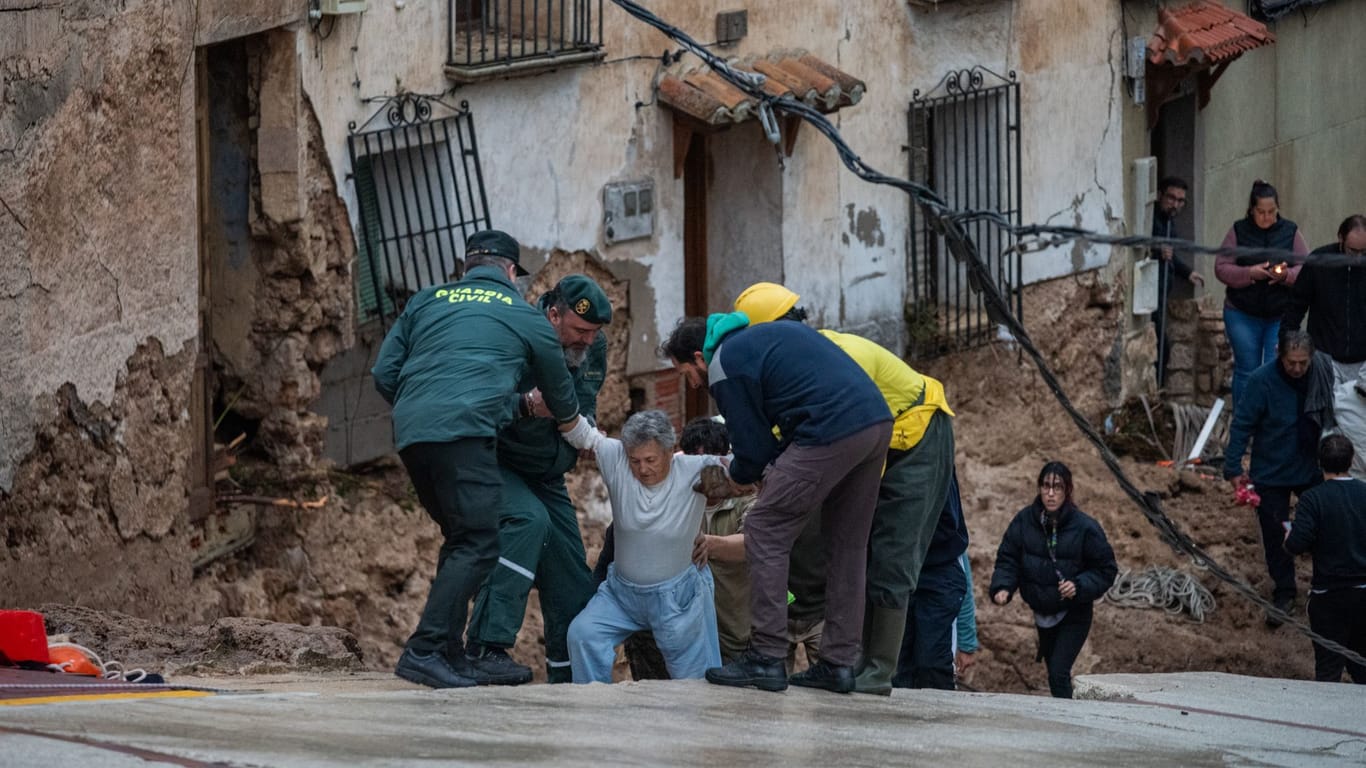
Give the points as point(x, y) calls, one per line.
point(1059, 559)
point(1258, 287)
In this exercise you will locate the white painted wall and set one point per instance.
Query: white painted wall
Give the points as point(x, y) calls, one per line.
point(1067, 55)
point(549, 142)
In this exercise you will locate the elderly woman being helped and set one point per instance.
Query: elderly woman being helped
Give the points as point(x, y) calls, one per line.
point(652, 584)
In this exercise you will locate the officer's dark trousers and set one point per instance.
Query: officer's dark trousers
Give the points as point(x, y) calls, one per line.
point(1059, 646)
point(840, 482)
point(1272, 514)
point(927, 646)
point(538, 543)
point(1340, 616)
point(458, 484)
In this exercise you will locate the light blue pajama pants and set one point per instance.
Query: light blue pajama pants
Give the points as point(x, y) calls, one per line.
point(681, 612)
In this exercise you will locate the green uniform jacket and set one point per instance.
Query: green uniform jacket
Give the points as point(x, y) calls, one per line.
point(532, 446)
point(452, 362)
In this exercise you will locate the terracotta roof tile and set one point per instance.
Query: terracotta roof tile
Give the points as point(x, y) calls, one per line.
point(1204, 33)
point(704, 95)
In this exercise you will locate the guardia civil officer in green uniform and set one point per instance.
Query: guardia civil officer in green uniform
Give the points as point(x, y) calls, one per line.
point(538, 529)
point(450, 367)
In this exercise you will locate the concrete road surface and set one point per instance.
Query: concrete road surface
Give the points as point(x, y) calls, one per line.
point(376, 720)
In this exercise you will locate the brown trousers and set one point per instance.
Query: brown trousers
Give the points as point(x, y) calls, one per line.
point(839, 481)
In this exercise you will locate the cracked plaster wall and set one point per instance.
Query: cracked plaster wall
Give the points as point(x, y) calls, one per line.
point(96, 163)
point(99, 295)
point(1075, 118)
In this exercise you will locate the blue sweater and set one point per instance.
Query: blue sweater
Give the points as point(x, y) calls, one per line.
point(1268, 414)
point(789, 376)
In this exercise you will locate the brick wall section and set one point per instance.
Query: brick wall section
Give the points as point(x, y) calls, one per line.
point(1213, 355)
point(1201, 362)
point(661, 390)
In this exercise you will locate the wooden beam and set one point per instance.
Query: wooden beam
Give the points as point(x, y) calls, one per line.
point(790, 126)
point(682, 140)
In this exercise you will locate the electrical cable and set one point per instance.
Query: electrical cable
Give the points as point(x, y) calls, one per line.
point(946, 222)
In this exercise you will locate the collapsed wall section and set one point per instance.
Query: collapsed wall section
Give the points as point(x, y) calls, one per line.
point(111, 350)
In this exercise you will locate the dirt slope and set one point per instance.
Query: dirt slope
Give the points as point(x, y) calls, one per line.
point(1009, 424)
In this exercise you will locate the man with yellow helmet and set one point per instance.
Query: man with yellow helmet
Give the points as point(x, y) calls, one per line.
point(915, 584)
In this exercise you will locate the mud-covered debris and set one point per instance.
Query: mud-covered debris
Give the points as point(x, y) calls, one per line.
point(234, 646)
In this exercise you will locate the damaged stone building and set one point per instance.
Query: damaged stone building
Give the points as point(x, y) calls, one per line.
point(210, 211)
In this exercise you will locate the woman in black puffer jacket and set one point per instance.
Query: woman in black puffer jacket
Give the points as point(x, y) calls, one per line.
point(1059, 559)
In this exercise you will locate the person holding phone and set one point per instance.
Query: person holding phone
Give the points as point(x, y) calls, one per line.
point(1258, 286)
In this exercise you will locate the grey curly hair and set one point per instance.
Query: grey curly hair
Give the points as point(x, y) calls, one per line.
point(649, 426)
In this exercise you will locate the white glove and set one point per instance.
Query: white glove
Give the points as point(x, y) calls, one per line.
point(582, 435)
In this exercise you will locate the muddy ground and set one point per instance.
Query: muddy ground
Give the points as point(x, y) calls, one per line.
point(362, 562)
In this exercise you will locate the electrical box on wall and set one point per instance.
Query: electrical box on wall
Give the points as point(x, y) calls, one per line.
point(731, 27)
point(1142, 197)
point(338, 7)
point(1136, 68)
point(628, 211)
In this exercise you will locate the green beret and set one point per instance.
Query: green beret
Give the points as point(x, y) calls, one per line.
point(585, 299)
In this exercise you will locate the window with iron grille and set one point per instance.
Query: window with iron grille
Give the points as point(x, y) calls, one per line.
point(420, 193)
point(500, 38)
point(965, 145)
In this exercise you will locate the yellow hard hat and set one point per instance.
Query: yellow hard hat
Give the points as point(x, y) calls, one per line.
point(765, 302)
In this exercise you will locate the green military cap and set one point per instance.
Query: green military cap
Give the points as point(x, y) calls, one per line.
point(585, 299)
point(495, 243)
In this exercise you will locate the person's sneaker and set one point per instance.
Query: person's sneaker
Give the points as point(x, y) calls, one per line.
point(768, 673)
point(823, 674)
point(1286, 604)
point(493, 666)
point(430, 669)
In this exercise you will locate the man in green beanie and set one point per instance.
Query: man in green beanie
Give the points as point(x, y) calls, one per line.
point(538, 530)
point(449, 366)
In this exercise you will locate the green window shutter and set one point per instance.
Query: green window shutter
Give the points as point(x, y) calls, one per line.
point(372, 301)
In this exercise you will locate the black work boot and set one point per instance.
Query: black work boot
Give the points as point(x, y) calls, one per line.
point(430, 669)
point(768, 673)
point(823, 674)
point(493, 666)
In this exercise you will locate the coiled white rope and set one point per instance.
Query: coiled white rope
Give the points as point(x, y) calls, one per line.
point(1166, 588)
point(109, 670)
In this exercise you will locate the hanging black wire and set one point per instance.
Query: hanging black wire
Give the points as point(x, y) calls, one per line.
point(947, 223)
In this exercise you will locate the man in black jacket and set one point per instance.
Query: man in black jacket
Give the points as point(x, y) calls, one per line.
point(1330, 524)
point(1331, 289)
point(1171, 200)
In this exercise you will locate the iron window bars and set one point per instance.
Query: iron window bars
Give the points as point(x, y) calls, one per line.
point(420, 192)
point(965, 145)
point(498, 37)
